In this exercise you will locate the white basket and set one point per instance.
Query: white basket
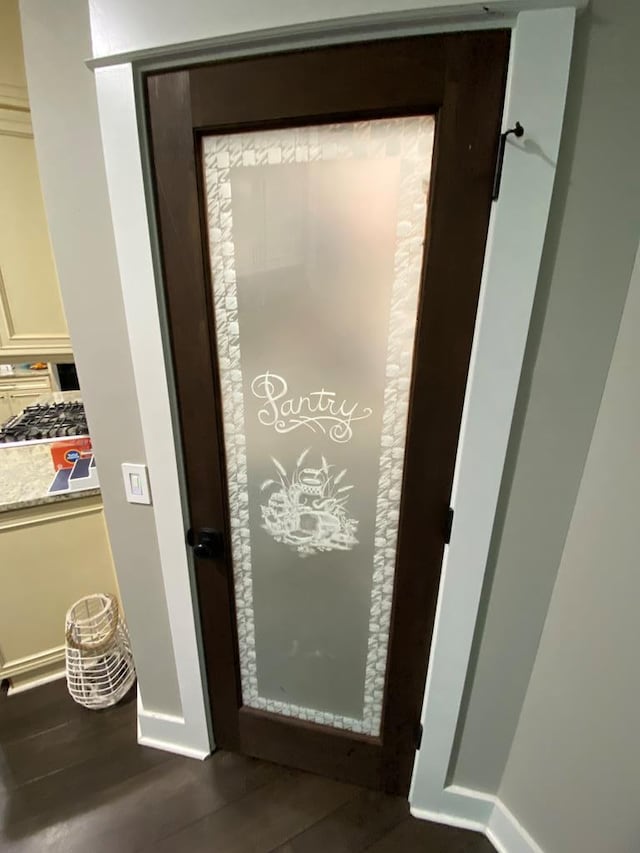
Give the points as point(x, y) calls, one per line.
point(100, 668)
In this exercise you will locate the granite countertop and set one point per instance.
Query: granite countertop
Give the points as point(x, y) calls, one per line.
point(26, 473)
point(24, 373)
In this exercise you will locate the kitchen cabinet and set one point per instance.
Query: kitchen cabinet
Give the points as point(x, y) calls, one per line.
point(22, 398)
point(32, 321)
point(18, 392)
point(54, 549)
point(50, 556)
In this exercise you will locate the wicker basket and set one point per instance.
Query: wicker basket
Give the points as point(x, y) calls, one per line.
point(100, 668)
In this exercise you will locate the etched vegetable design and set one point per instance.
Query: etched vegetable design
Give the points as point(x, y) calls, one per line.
point(308, 511)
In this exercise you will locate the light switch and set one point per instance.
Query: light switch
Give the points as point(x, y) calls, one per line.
point(136, 483)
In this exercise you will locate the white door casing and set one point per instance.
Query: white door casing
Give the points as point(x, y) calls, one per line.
point(536, 91)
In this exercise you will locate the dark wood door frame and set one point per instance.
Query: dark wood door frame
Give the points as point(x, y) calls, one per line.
point(460, 78)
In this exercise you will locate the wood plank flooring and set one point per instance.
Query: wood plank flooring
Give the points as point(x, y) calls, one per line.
point(76, 781)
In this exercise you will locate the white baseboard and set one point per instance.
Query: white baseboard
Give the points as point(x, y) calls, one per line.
point(176, 748)
point(448, 819)
point(163, 731)
point(32, 670)
point(34, 682)
point(461, 807)
point(507, 834)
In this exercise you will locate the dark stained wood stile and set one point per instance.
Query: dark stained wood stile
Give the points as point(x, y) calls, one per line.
point(460, 78)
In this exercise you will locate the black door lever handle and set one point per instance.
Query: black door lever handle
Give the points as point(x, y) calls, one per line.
point(207, 543)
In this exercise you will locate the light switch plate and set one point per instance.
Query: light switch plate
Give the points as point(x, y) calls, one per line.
point(136, 483)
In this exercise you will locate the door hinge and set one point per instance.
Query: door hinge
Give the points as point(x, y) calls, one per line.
point(419, 735)
point(517, 130)
point(448, 525)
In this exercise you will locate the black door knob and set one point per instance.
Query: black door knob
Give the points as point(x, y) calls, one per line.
point(207, 543)
point(202, 551)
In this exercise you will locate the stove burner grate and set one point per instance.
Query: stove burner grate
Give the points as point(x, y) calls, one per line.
point(46, 420)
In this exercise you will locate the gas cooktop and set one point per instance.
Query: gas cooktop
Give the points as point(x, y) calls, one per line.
point(47, 420)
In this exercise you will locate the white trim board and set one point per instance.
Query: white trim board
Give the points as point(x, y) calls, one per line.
point(37, 682)
point(507, 834)
point(536, 90)
point(32, 670)
point(119, 129)
point(149, 29)
point(166, 732)
point(500, 825)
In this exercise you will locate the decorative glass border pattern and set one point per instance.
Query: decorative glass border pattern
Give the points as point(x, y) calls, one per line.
point(411, 140)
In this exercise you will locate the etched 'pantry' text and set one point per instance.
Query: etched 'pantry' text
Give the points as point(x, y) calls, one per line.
point(317, 410)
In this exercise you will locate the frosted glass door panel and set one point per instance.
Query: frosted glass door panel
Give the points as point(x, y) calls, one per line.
point(316, 239)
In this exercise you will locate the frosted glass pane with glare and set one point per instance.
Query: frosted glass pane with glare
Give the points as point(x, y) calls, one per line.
point(316, 238)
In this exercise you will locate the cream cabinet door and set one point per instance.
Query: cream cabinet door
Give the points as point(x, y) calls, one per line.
point(19, 392)
point(46, 548)
point(32, 321)
point(21, 399)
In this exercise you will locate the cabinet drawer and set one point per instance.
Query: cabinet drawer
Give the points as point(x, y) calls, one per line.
point(28, 384)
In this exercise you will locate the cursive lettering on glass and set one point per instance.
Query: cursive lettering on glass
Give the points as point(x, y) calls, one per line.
point(317, 410)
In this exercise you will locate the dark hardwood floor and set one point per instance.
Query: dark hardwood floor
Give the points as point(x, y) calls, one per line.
point(74, 780)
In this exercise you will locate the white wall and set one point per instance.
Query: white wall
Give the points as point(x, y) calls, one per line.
point(589, 253)
point(572, 775)
point(65, 119)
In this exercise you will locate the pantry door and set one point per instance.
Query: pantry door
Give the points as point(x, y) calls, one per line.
point(322, 217)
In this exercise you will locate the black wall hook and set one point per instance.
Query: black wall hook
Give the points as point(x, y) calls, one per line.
point(517, 130)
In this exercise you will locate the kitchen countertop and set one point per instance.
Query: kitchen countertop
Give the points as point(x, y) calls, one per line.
point(25, 373)
point(26, 473)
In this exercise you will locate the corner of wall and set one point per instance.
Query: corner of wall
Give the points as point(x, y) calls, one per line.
point(481, 812)
point(69, 151)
